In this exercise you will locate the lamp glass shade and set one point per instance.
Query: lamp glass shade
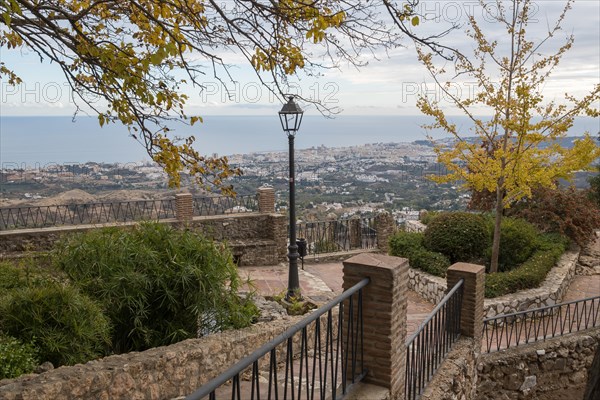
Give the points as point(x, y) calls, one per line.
point(291, 117)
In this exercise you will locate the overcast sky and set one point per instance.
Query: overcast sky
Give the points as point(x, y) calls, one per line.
point(387, 86)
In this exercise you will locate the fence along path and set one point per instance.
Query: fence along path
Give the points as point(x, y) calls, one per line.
point(33, 217)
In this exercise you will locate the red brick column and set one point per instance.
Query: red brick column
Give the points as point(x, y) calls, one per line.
point(184, 207)
point(266, 200)
point(384, 316)
point(471, 318)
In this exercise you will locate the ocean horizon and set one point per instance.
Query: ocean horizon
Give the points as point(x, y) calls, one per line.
point(30, 141)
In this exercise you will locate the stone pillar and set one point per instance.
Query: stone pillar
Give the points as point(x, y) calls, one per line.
point(266, 200)
point(471, 318)
point(355, 233)
point(385, 225)
point(184, 207)
point(384, 317)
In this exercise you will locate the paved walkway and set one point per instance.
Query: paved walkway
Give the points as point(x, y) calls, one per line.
point(321, 282)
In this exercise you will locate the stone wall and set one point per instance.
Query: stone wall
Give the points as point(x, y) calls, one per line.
point(431, 288)
point(456, 377)
point(159, 373)
point(255, 238)
point(556, 369)
point(551, 291)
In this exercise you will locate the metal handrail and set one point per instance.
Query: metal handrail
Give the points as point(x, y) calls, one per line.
point(523, 327)
point(269, 348)
point(429, 345)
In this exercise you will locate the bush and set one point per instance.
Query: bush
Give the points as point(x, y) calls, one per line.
point(429, 261)
point(518, 241)
point(156, 283)
point(459, 236)
point(64, 325)
point(531, 273)
point(410, 245)
point(16, 358)
point(428, 216)
point(568, 212)
point(403, 244)
point(26, 274)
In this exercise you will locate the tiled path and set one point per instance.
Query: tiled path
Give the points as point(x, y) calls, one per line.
point(582, 287)
point(321, 282)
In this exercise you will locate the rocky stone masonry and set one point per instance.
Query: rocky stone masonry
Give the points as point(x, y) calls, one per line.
point(551, 291)
point(556, 369)
point(589, 259)
point(456, 377)
point(159, 373)
point(431, 288)
point(254, 237)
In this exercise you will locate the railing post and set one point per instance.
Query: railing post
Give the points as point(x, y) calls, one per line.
point(266, 200)
point(184, 207)
point(384, 303)
point(471, 318)
point(384, 225)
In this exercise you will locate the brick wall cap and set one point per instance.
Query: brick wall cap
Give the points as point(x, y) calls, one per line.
point(466, 267)
point(376, 260)
point(183, 195)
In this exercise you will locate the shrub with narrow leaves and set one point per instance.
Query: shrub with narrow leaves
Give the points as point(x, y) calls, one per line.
point(156, 283)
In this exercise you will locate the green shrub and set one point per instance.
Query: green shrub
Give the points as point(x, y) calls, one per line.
point(65, 325)
point(531, 273)
point(410, 245)
point(25, 274)
point(403, 244)
point(429, 216)
point(16, 358)
point(518, 241)
point(429, 261)
point(156, 283)
point(459, 236)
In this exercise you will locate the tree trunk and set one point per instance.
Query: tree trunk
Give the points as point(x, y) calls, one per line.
point(497, 222)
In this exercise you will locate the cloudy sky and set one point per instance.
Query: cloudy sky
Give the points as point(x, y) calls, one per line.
point(387, 86)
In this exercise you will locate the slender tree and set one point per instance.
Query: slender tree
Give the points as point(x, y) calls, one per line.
point(517, 148)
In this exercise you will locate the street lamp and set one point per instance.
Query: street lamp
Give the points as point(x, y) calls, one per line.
point(291, 118)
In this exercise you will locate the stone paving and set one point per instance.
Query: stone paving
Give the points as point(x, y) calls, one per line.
point(320, 282)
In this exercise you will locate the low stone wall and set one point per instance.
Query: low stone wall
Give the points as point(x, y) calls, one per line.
point(556, 369)
point(456, 377)
point(551, 291)
point(159, 373)
point(431, 288)
point(254, 237)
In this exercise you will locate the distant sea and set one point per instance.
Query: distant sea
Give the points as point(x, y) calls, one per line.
point(39, 141)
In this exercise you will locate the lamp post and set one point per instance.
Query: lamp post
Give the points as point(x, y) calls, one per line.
point(291, 118)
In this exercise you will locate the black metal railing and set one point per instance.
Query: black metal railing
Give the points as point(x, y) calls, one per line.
point(85, 213)
point(218, 205)
point(293, 366)
point(510, 330)
point(338, 235)
point(429, 345)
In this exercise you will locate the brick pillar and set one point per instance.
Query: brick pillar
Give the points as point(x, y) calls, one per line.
point(184, 207)
point(471, 318)
point(384, 316)
point(384, 224)
point(355, 233)
point(266, 200)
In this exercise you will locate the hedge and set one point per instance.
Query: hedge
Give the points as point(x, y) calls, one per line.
point(531, 273)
